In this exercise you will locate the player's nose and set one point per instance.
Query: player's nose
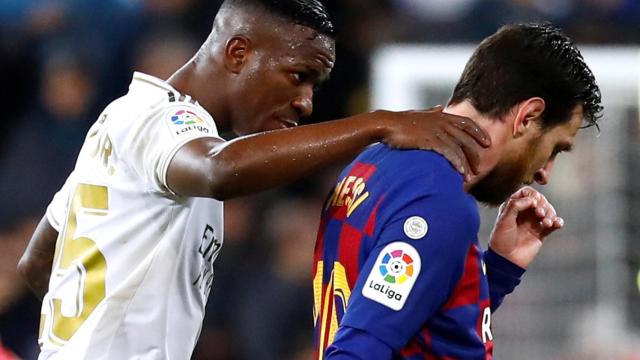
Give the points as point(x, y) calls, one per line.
point(303, 103)
point(543, 175)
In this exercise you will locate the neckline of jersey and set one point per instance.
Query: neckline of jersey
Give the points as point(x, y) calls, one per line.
point(157, 82)
point(152, 80)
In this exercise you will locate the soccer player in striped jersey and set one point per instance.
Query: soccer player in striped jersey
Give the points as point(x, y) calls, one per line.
point(399, 272)
point(124, 256)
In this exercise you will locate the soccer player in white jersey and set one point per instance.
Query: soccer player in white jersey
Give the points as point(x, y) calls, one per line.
point(124, 256)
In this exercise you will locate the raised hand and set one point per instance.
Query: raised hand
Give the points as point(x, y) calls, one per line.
point(523, 222)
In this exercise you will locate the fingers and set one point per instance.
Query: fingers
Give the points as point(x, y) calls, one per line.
point(450, 149)
point(545, 214)
point(470, 127)
point(558, 223)
point(523, 192)
point(543, 209)
point(437, 108)
point(516, 206)
point(545, 230)
point(549, 218)
point(468, 146)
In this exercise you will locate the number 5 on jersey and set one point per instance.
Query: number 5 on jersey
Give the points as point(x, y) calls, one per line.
point(78, 266)
point(329, 305)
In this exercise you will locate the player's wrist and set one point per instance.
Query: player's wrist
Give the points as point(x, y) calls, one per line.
point(380, 125)
point(502, 263)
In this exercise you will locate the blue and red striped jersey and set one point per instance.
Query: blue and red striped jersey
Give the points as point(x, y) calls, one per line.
point(398, 269)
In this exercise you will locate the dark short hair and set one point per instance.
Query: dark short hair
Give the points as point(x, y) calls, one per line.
point(529, 60)
point(310, 13)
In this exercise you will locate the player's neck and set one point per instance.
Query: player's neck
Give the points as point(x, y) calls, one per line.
point(195, 79)
point(496, 130)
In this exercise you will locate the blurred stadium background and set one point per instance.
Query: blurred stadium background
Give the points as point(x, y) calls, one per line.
point(62, 61)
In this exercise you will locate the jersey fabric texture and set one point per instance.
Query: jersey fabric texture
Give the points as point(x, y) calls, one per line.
point(398, 270)
point(134, 261)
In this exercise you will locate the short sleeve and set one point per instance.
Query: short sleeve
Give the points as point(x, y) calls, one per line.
point(58, 208)
point(152, 141)
point(418, 259)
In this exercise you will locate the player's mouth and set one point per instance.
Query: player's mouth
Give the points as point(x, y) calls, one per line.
point(286, 123)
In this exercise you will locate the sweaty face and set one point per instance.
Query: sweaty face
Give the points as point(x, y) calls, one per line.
point(527, 163)
point(277, 83)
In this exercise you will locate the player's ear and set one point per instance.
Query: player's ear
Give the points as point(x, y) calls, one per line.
point(236, 53)
point(528, 113)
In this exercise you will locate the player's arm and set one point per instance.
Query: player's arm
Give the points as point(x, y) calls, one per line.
point(383, 314)
point(522, 225)
point(35, 264)
point(354, 344)
point(209, 167)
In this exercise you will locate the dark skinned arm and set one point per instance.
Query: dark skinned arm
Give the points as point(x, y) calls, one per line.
point(209, 167)
point(35, 264)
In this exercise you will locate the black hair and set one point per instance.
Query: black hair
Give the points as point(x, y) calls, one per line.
point(529, 60)
point(310, 13)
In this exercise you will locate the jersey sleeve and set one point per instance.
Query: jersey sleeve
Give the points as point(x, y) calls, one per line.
point(417, 261)
point(150, 142)
point(353, 344)
point(503, 277)
point(58, 208)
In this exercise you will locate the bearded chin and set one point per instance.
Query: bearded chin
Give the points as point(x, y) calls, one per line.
point(509, 175)
point(495, 188)
point(505, 179)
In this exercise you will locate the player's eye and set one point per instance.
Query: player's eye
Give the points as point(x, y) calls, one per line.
point(297, 77)
point(305, 77)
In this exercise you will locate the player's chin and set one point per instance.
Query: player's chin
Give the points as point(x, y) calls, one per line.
point(492, 196)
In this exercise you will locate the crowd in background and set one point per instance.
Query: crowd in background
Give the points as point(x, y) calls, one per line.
point(62, 61)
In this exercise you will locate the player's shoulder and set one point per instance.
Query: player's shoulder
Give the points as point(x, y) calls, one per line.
point(418, 170)
point(152, 94)
point(422, 179)
point(151, 100)
point(408, 161)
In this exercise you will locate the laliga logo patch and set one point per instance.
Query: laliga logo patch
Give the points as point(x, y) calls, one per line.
point(415, 227)
point(396, 267)
point(393, 275)
point(186, 117)
point(186, 121)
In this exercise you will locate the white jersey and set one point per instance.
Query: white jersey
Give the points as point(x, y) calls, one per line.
point(133, 262)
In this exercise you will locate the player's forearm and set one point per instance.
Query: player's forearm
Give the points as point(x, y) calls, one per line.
point(35, 264)
point(255, 163)
point(267, 160)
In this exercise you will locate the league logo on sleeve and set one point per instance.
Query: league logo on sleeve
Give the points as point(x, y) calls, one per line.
point(186, 117)
point(185, 121)
point(393, 275)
